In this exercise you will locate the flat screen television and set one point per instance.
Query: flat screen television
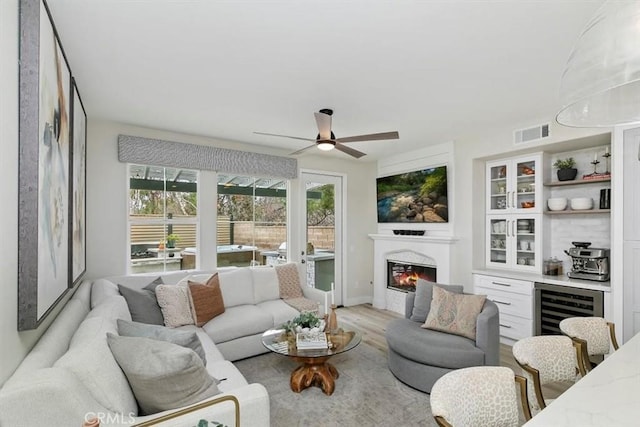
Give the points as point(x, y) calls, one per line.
point(414, 197)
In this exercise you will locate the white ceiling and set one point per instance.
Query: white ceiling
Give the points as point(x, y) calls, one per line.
point(433, 70)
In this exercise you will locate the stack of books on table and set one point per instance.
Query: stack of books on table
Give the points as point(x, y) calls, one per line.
point(311, 340)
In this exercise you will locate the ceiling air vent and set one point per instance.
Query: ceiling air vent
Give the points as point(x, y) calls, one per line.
point(521, 136)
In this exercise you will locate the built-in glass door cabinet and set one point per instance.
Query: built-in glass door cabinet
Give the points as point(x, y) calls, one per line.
point(514, 185)
point(513, 242)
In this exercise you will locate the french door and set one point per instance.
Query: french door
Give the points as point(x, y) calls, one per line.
point(321, 233)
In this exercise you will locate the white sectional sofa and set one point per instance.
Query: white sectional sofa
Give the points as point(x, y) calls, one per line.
point(71, 373)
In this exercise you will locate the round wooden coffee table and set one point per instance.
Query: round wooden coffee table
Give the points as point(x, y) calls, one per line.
point(314, 369)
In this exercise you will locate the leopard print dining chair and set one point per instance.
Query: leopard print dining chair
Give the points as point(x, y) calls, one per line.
point(479, 396)
point(593, 336)
point(545, 359)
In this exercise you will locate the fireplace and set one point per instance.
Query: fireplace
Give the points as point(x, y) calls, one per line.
point(430, 251)
point(404, 276)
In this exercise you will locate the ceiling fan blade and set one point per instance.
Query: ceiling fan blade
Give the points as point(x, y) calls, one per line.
point(284, 136)
point(350, 151)
point(370, 137)
point(324, 125)
point(300, 151)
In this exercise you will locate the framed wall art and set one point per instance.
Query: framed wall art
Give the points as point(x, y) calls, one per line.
point(78, 237)
point(44, 166)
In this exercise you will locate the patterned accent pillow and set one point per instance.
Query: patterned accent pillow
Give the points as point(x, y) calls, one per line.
point(206, 300)
point(454, 313)
point(174, 304)
point(423, 297)
point(289, 281)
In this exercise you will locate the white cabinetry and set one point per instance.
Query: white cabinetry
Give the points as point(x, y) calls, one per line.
point(514, 222)
point(514, 185)
point(513, 241)
point(514, 299)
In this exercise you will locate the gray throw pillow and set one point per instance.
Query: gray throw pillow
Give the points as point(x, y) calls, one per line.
point(424, 295)
point(153, 285)
point(143, 305)
point(186, 339)
point(162, 375)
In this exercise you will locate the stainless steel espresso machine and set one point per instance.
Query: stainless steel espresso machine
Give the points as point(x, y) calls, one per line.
point(589, 263)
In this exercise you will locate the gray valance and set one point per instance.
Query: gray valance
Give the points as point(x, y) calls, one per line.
point(147, 151)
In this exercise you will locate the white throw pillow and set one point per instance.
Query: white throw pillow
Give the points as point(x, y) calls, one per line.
point(237, 287)
point(265, 284)
point(174, 304)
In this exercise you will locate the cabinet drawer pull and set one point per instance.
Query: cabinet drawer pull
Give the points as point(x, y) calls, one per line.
point(501, 284)
point(501, 302)
point(505, 326)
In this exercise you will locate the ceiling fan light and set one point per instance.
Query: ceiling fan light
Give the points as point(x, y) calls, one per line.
point(326, 145)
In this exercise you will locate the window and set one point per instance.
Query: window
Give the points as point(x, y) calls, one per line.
point(163, 218)
point(252, 220)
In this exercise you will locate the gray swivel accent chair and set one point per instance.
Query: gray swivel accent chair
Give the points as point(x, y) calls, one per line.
point(419, 357)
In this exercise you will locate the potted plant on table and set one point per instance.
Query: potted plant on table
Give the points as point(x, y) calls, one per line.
point(171, 240)
point(566, 169)
point(305, 322)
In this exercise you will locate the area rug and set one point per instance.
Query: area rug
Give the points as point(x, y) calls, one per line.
point(366, 393)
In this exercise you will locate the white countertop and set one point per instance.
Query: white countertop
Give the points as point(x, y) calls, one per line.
point(552, 280)
point(607, 396)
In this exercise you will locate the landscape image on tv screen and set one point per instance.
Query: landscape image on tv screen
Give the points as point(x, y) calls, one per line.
point(414, 197)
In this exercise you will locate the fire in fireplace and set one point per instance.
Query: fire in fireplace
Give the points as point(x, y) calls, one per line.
point(403, 277)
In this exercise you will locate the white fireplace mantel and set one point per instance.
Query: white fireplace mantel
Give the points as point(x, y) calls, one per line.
point(445, 240)
point(437, 248)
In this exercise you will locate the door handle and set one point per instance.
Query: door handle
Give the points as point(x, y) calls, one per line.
point(302, 261)
point(500, 302)
point(505, 326)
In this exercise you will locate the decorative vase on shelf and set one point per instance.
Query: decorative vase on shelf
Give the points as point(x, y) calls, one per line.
point(567, 174)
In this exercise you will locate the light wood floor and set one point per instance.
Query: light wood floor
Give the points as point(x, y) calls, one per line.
point(372, 322)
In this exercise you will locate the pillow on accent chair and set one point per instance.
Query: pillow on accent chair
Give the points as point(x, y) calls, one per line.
point(289, 280)
point(143, 304)
point(162, 375)
point(206, 300)
point(423, 297)
point(174, 304)
point(186, 339)
point(454, 313)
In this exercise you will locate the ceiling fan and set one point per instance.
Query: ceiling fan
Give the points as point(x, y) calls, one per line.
point(326, 140)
